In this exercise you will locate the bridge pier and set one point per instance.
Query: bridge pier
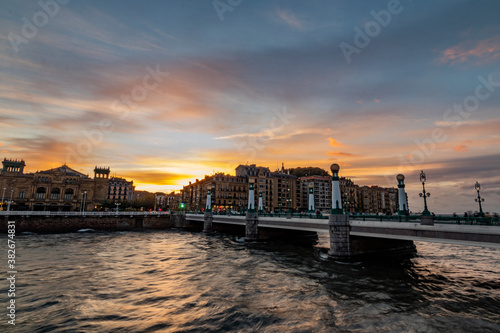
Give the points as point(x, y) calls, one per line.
point(207, 221)
point(251, 226)
point(340, 242)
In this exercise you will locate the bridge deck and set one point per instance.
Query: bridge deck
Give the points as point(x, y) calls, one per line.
point(476, 235)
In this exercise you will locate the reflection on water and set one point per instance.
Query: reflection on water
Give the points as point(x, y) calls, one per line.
point(191, 282)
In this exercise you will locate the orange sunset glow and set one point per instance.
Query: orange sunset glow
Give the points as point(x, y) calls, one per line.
point(163, 102)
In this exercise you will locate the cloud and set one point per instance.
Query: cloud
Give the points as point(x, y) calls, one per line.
point(290, 19)
point(335, 143)
point(461, 148)
point(478, 52)
point(340, 153)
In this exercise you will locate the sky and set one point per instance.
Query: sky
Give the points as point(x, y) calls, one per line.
point(164, 92)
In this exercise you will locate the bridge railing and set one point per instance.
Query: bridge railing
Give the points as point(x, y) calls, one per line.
point(470, 220)
point(49, 213)
point(440, 219)
point(294, 215)
point(388, 218)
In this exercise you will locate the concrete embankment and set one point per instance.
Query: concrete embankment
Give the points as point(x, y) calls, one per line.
point(61, 224)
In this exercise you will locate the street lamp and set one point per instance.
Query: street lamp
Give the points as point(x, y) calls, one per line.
point(117, 204)
point(479, 199)
point(289, 198)
point(83, 202)
point(424, 194)
point(10, 200)
point(3, 196)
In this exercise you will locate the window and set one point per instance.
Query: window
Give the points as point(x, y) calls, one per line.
point(68, 194)
point(40, 193)
point(22, 195)
point(54, 194)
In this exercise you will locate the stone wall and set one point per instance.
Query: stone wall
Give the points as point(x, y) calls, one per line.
point(59, 224)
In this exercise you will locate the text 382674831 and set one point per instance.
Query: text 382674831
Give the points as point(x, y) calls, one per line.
point(11, 272)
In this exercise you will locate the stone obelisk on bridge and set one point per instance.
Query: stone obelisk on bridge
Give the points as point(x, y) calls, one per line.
point(338, 224)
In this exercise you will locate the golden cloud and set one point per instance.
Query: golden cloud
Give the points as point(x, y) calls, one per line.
point(335, 143)
point(156, 177)
point(339, 153)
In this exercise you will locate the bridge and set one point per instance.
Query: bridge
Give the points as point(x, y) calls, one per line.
point(356, 236)
point(368, 234)
point(350, 236)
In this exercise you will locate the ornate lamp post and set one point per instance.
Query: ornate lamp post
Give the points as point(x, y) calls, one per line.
point(424, 194)
point(479, 199)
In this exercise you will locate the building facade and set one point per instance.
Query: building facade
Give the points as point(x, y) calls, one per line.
point(285, 195)
point(262, 178)
point(322, 189)
point(121, 189)
point(282, 192)
point(58, 189)
point(228, 193)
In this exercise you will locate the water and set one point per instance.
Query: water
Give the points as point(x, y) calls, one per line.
point(176, 281)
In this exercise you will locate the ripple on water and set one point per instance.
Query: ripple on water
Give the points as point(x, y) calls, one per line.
point(191, 282)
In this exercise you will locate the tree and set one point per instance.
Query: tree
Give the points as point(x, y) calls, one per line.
point(307, 171)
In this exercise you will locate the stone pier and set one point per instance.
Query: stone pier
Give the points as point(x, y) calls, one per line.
point(251, 226)
point(340, 242)
point(207, 221)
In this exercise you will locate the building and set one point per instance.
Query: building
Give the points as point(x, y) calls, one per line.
point(228, 193)
point(121, 189)
point(261, 177)
point(282, 191)
point(376, 200)
point(173, 200)
point(322, 192)
point(284, 195)
point(58, 189)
